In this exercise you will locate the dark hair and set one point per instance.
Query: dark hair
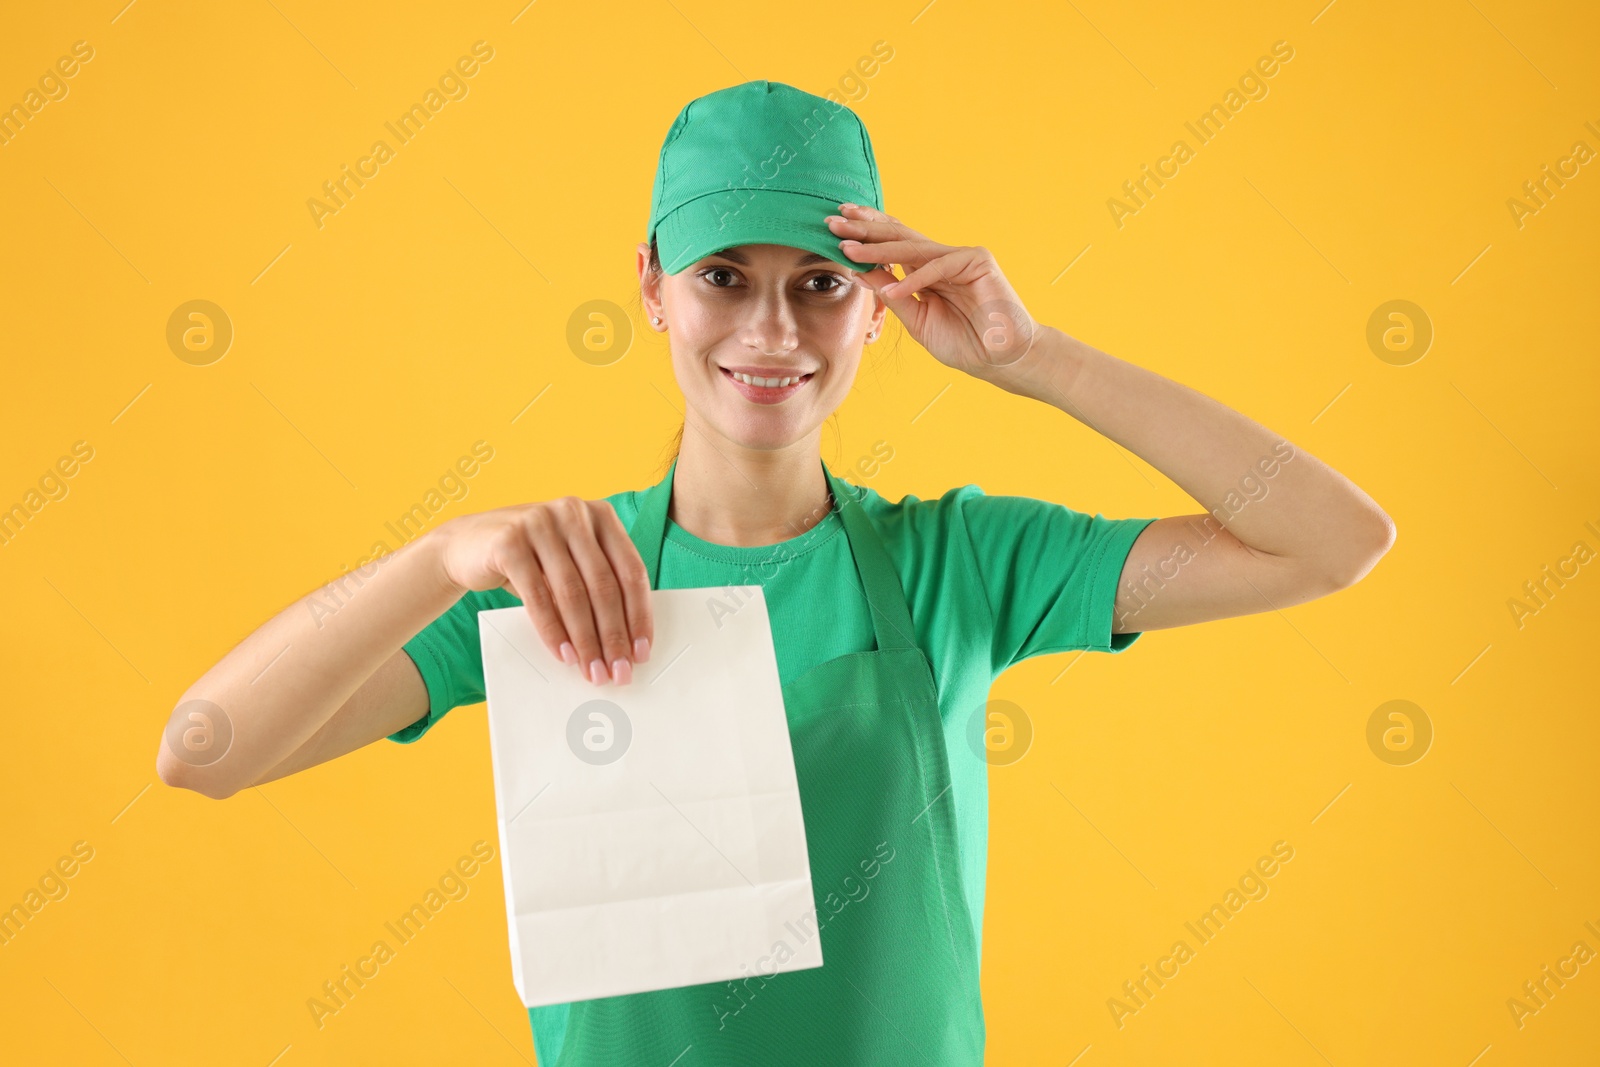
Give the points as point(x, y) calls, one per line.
point(677, 440)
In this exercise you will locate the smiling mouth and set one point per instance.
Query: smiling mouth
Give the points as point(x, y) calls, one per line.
point(755, 388)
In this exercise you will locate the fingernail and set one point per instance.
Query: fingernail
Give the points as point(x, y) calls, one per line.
point(641, 649)
point(621, 671)
point(848, 241)
point(569, 655)
point(849, 204)
point(597, 672)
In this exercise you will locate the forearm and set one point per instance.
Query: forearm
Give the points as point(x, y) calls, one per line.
point(1296, 508)
point(283, 682)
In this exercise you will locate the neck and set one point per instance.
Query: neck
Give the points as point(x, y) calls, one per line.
point(731, 495)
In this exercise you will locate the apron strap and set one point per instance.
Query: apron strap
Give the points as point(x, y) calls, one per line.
point(891, 619)
point(649, 527)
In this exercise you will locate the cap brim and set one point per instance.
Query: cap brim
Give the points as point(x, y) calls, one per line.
point(749, 217)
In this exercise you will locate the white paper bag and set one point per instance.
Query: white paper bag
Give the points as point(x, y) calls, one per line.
point(651, 834)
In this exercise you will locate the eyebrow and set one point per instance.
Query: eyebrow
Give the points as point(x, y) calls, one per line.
point(743, 260)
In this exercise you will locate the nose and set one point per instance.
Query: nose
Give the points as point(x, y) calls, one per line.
point(772, 328)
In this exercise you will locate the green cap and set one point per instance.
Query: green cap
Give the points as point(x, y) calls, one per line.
point(759, 163)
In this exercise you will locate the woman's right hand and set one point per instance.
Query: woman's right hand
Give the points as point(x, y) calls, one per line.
point(574, 567)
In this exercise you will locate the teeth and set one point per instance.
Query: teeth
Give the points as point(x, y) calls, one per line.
point(768, 383)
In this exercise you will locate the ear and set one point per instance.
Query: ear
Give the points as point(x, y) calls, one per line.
point(880, 312)
point(875, 280)
point(649, 289)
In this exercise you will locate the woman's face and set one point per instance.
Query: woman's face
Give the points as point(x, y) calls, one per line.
point(769, 312)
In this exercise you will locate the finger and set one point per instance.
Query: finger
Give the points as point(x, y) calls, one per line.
point(605, 600)
point(526, 580)
point(569, 586)
point(906, 308)
point(877, 278)
point(911, 253)
point(873, 217)
point(633, 577)
point(910, 247)
point(873, 229)
point(931, 273)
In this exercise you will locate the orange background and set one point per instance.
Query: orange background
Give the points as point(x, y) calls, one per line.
point(432, 310)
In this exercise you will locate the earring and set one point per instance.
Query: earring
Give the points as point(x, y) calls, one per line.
point(656, 319)
point(870, 335)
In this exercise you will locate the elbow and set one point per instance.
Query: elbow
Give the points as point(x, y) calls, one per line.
point(1363, 551)
point(196, 774)
point(180, 775)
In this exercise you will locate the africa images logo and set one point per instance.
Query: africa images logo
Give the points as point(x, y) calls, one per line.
point(728, 204)
point(855, 889)
point(452, 86)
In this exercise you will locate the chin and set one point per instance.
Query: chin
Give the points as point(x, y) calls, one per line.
point(769, 437)
point(762, 432)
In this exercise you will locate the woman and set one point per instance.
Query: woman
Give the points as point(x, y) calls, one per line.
point(768, 262)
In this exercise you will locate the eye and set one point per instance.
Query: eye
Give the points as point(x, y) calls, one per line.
point(709, 272)
point(836, 283)
point(727, 278)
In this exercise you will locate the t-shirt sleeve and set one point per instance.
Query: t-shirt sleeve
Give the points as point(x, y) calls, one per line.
point(449, 655)
point(1050, 574)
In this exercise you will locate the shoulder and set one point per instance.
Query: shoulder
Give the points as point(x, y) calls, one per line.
point(931, 550)
point(927, 538)
point(964, 511)
point(966, 535)
point(625, 504)
point(912, 518)
point(977, 515)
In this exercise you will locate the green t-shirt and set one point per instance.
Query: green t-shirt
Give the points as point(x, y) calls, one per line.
point(989, 581)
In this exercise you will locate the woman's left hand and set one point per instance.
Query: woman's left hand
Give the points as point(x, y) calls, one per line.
point(969, 317)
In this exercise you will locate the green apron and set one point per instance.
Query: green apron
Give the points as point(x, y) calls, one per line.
point(899, 979)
